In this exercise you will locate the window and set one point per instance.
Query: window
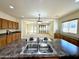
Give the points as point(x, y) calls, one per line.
point(70, 26)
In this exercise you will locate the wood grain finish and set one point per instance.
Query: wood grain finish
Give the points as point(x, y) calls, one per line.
point(14, 37)
point(67, 38)
point(2, 41)
point(7, 24)
point(13, 24)
point(17, 25)
point(57, 36)
point(71, 40)
point(9, 38)
point(10, 26)
point(0, 23)
point(4, 24)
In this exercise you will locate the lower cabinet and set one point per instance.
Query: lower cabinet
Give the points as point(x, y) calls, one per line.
point(9, 38)
point(2, 41)
point(14, 37)
point(57, 36)
point(67, 38)
point(18, 36)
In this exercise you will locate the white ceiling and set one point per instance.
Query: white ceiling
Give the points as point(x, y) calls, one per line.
point(30, 8)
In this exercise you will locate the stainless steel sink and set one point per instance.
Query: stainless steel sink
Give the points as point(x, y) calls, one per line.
point(31, 48)
point(45, 49)
point(36, 49)
point(39, 46)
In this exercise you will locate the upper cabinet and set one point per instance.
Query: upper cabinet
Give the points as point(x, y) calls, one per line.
point(10, 26)
point(0, 23)
point(4, 24)
point(15, 25)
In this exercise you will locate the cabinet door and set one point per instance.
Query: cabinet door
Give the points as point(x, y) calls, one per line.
point(4, 24)
point(18, 36)
point(10, 24)
point(0, 23)
point(2, 41)
point(14, 25)
point(17, 25)
point(14, 37)
point(9, 39)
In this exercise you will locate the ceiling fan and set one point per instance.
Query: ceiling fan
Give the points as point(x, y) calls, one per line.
point(39, 21)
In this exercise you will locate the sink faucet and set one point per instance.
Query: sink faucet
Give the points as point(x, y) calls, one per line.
point(38, 43)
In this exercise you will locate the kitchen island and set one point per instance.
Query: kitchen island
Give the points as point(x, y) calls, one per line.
point(15, 50)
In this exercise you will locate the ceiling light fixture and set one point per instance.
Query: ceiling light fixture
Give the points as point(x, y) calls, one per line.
point(12, 7)
point(76, 0)
point(39, 21)
point(22, 16)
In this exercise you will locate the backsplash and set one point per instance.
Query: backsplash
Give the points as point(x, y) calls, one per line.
point(4, 30)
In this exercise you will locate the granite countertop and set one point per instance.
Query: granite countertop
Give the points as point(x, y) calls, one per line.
point(14, 49)
point(71, 35)
point(3, 34)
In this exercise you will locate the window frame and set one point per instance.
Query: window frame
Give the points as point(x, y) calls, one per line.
point(68, 27)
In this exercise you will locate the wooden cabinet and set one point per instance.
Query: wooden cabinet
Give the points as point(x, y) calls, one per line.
point(17, 25)
point(9, 38)
point(57, 36)
point(71, 40)
point(67, 38)
point(0, 22)
point(4, 24)
point(10, 24)
point(13, 36)
point(13, 25)
point(2, 41)
point(18, 36)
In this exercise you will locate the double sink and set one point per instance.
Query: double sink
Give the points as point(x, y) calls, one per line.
point(39, 48)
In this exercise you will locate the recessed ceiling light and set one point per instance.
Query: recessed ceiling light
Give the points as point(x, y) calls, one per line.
point(12, 7)
point(76, 0)
point(22, 16)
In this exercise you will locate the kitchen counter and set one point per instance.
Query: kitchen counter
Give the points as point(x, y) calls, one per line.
point(71, 35)
point(2, 35)
point(14, 49)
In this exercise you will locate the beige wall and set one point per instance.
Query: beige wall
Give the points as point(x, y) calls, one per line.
point(26, 27)
point(51, 28)
point(69, 16)
point(8, 17)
